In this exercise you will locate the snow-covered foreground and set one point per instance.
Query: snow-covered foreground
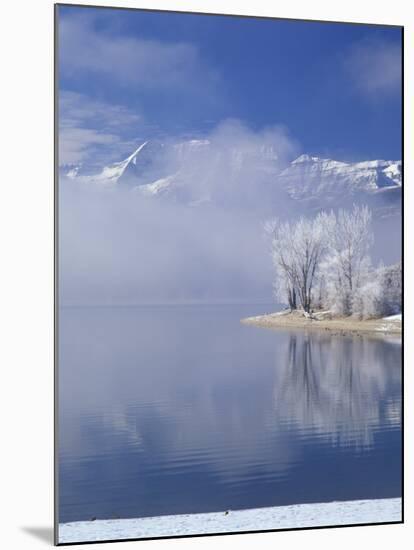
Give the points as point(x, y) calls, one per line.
point(276, 517)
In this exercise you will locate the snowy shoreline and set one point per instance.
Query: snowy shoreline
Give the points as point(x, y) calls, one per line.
point(340, 325)
point(352, 512)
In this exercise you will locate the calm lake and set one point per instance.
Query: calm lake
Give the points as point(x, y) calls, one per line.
point(181, 409)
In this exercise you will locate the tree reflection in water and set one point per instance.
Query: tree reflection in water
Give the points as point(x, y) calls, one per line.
point(334, 386)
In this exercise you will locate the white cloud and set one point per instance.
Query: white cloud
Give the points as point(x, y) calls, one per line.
point(128, 61)
point(78, 108)
point(77, 144)
point(375, 68)
point(92, 128)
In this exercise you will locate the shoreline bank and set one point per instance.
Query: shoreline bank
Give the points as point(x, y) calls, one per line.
point(338, 325)
point(352, 512)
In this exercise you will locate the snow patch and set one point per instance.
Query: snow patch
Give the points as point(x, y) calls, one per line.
point(397, 317)
point(277, 517)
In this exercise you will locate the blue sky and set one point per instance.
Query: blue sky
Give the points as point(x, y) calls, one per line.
point(126, 76)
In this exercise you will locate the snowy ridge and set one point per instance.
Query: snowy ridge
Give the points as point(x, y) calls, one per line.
point(157, 186)
point(113, 173)
point(309, 177)
point(189, 171)
point(352, 512)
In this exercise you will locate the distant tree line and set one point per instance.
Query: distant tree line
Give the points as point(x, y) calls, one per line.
point(324, 263)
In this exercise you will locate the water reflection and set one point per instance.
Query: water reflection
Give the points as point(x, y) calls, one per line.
point(177, 410)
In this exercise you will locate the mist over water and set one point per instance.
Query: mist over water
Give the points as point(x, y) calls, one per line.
point(117, 247)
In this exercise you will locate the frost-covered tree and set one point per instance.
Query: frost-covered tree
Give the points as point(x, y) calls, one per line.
point(381, 295)
point(283, 288)
point(297, 249)
point(284, 285)
point(324, 262)
point(391, 286)
point(367, 300)
point(347, 261)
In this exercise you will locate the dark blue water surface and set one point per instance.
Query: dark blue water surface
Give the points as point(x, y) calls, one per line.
point(181, 409)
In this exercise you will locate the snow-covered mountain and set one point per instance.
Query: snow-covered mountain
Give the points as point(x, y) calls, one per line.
point(197, 171)
point(313, 177)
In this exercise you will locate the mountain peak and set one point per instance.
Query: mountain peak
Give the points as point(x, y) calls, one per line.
point(305, 158)
point(132, 157)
